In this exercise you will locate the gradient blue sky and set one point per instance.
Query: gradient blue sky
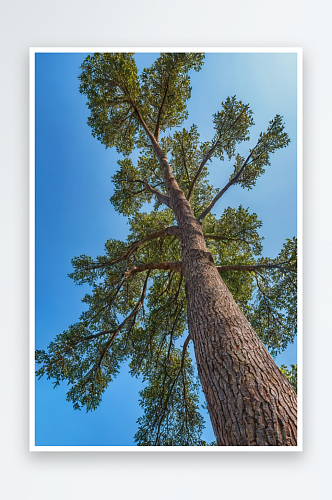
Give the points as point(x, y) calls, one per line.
point(74, 215)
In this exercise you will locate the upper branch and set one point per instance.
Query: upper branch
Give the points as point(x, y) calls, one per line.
point(185, 165)
point(218, 143)
point(161, 197)
point(203, 163)
point(157, 129)
point(168, 177)
point(154, 143)
point(247, 172)
point(224, 189)
point(219, 237)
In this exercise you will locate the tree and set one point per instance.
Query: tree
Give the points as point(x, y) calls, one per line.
point(165, 280)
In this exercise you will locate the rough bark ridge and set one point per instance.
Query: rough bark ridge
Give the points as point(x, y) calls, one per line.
point(249, 400)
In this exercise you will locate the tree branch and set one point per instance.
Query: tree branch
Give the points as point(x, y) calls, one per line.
point(236, 176)
point(166, 82)
point(167, 173)
point(177, 313)
point(203, 163)
point(164, 266)
point(164, 407)
point(174, 300)
point(185, 164)
point(156, 132)
point(224, 189)
point(185, 345)
point(210, 153)
point(125, 321)
point(151, 335)
point(155, 146)
point(177, 265)
point(90, 337)
point(115, 331)
point(245, 267)
point(168, 231)
point(160, 155)
point(161, 197)
point(218, 237)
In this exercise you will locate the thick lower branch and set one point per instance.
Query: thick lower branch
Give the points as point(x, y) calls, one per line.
point(177, 266)
point(245, 267)
point(184, 349)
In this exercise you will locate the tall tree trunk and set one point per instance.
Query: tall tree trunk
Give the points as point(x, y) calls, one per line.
point(250, 402)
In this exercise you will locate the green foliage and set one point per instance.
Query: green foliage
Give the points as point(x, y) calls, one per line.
point(167, 81)
point(136, 314)
point(114, 91)
point(238, 229)
point(290, 374)
point(232, 126)
point(129, 194)
point(111, 85)
point(184, 151)
point(254, 166)
point(274, 315)
point(170, 402)
point(88, 366)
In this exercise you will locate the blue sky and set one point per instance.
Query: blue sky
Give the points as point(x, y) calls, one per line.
point(74, 215)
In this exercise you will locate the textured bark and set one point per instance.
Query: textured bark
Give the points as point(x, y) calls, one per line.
point(250, 402)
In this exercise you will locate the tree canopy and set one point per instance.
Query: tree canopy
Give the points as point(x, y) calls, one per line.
point(137, 308)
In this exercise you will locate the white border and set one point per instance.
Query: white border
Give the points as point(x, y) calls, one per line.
point(33, 51)
point(300, 248)
point(32, 250)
